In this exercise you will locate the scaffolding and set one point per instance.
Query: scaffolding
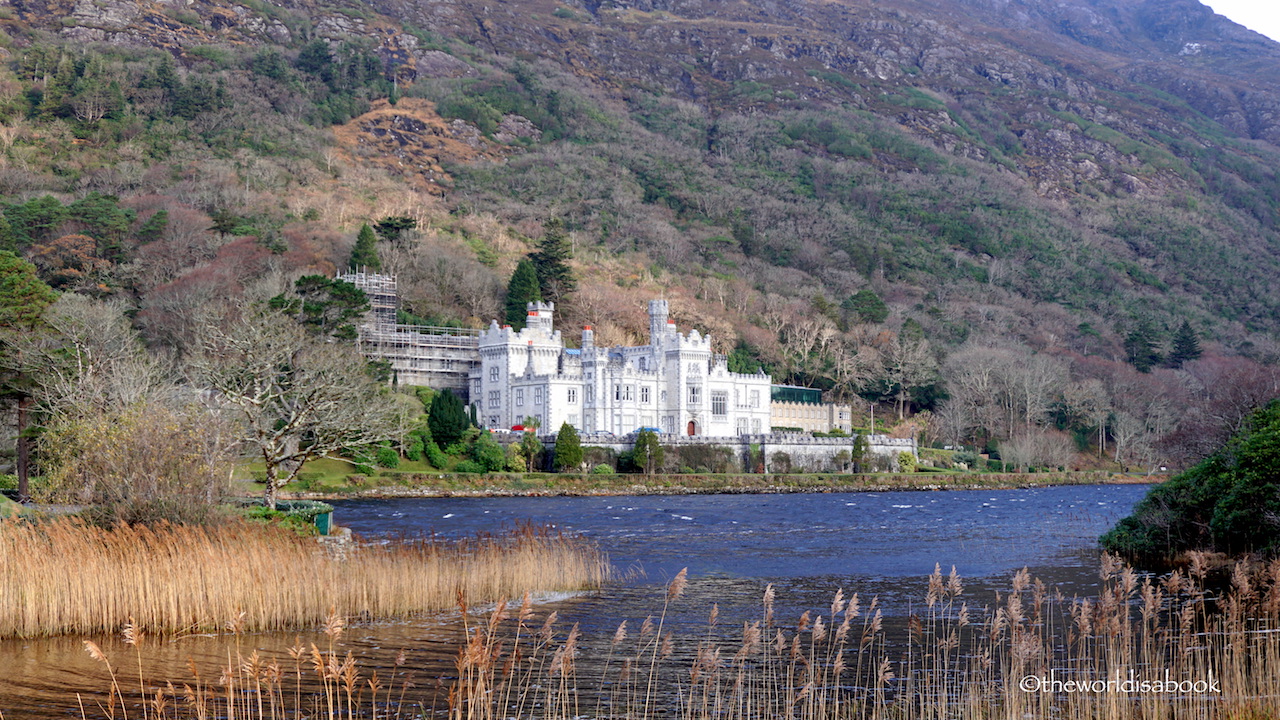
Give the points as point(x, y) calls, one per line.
point(381, 291)
point(437, 357)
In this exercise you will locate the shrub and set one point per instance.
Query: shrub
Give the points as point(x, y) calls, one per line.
point(469, 466)
point(1230, 502)
point(414, 449)
point(387, 457)
point(602, 469)
point(145, 463)
point(780, 462)
point(488, 453)
point(907, 462)
point(434, 456)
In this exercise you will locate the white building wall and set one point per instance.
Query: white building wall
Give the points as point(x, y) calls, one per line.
point(673, 383)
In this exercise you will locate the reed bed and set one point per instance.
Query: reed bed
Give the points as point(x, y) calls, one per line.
point(952, 660)
point(66, 576)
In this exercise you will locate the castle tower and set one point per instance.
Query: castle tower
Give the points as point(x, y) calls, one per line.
point(541, 316)
point(658, 311)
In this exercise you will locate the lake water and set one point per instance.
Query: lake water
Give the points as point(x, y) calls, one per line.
point(806, 545)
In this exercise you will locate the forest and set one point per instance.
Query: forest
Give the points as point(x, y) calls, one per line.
point(162, 193)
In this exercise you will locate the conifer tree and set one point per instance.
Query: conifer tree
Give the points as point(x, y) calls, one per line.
point(365, 252)
point(447, 419)
point(1186, 346)
point(521, 290)
point(23, 299)
point(551, 262)
point(866, 306)
point(568, 453)
point(1141, 346)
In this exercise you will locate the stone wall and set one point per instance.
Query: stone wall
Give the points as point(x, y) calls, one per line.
point(780, 452)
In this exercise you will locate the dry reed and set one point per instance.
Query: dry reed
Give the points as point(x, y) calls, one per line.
point(837, 663)
point(66, 576)
point(1013, 658)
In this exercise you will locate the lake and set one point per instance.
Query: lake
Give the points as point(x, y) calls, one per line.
point(881, 544)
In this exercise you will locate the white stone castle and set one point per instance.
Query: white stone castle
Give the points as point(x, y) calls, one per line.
point(674, 385)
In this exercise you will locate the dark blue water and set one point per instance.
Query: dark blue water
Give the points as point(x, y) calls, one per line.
point(878, 535)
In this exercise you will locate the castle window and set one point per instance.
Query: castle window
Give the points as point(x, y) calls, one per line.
point(695, 395)
point(755, 426)
point(519, 397)
point(591, 393)
point(573, 396)
point(495, 398)
point(644, 394)
point(628, 392)
point(755, 398)
point(644, 363)
point(742, 426)
point(493, 374)
point(719, 401)
point(537, 396)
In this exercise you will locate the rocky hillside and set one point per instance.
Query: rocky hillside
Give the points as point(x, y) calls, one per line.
point(819, 184)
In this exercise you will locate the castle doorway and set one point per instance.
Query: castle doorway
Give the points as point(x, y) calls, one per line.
point(693, 429)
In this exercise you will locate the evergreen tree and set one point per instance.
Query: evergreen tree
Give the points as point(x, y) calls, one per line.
point(23, 299)
point(551, 262)
point(521, 290)
point(1186, 346)
point(568, 453)
point(23, 296)
point(365, 252)
point(326, 307)
point(447, 418)
point(866, 306)
point(392, 227)
point(1141, 346)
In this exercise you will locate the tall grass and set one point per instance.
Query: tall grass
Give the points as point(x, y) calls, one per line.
point(950, 660)
point(67, 576)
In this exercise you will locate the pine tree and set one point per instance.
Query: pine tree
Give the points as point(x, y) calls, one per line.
point(867, 306)
point(365, 252)
point(521, 290)
point(23, 299)
point(1141, 346)
point(1186, 346)
point(568, 453)
point(551, 262)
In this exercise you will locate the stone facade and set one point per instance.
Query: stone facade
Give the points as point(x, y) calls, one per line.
point(811, 417)
point(780, 452)
point(675, 384)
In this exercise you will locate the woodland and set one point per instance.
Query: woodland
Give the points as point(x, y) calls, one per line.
point(892, 242)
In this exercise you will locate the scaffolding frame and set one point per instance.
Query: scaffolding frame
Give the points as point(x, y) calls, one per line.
point(437, 357)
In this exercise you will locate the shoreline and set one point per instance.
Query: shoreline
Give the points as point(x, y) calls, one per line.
point(427, 485)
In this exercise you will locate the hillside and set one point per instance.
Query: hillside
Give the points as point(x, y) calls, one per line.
point(1069, 182)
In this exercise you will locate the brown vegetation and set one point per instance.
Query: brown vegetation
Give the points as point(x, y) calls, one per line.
point(66, 576)
point(950, 660)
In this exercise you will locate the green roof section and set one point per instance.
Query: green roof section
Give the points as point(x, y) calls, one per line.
point(796, 394)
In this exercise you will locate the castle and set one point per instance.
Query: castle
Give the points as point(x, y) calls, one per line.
point(675, 384)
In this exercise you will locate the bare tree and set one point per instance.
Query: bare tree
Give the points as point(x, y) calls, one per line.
point(908, 365)
point(1037, 447)
point(300, 398)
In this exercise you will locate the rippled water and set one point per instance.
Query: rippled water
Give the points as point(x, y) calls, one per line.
point(807, 545)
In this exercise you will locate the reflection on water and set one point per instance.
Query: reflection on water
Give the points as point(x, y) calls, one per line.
point(806, 545)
